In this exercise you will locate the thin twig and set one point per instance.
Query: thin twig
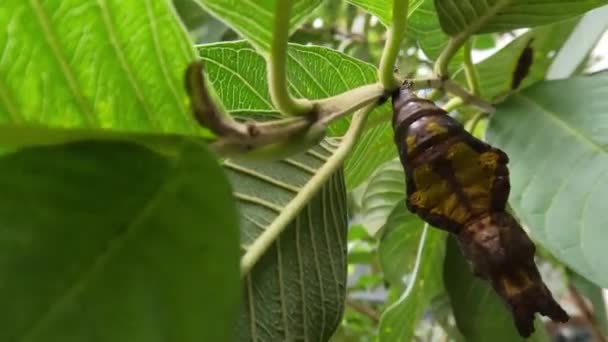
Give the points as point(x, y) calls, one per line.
point(587, 314)
point(364, 310)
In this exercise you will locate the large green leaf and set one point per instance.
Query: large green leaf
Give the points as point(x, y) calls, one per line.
point(483, 16)
point(496, 72)
point(253, 19)
point(110, 241)
point(384, 189)
point(399, 320)
point(555, 134)
point(96, 64)
point(238, 75)
point(479, 312)
point(296, 290)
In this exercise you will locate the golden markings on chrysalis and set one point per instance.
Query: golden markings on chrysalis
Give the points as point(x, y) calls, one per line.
point(410, 142)
point(435, 128)
point(514, 288)
point(418, 199)
point(488, 159)
point(454, 150)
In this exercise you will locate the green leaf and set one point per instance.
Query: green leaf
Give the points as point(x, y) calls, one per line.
point(496, 72)
point(398, 321)
point(238, 75)
point(479, 312)
point(110, 241)
point(383, 9)
point(555, 136)
point(485, 42)
point(374, 147)
point(94, 64)
point(296, 289)
point(424, 27)
point(468, 17)
point(254, 19)
point(397, 248)
point(385, 188)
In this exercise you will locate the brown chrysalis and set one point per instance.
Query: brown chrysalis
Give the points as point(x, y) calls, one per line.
point(458, 183)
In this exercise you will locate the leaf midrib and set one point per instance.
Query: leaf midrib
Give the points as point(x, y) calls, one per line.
point(49, 35)
point(563, 124)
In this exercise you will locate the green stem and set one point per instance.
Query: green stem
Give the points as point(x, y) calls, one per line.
point(293, 208)
point(435, 94)
point(453, 103)
point(395, 36)
point(469, 69)
point(414, 275)
point(472, 124)
point(276, 63)
point(455, 42)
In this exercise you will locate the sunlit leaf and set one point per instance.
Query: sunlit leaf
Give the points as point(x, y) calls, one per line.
point(94, 64)
point(254, 19)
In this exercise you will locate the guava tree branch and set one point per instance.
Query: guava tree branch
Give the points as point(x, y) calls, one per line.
point(292, 133)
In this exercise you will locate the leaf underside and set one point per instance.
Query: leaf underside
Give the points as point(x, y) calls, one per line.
point(296, 290)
